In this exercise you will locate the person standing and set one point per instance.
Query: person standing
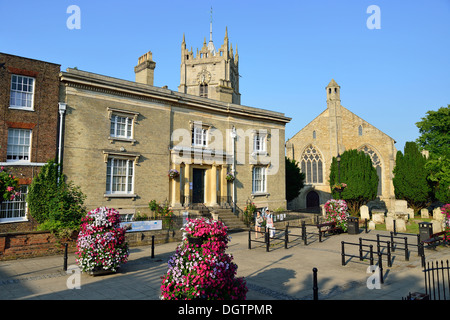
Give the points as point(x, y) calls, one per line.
point(258, 223)
point(269, 223)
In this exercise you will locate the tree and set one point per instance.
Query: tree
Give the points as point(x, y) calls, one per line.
point(357, 172)
point(434, 132)
point(55, 204)
point(439, 177)
point(410, 177)
point(295, 179)
point(435, 137)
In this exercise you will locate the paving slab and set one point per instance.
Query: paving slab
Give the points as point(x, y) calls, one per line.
point(280, 274)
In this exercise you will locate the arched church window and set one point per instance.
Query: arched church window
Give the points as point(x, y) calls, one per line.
point(312, 165)
point(376, 162)
point(314, 134)
point(360, 131)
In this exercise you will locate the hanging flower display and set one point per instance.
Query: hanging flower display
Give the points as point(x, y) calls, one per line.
point(203, 270)
point(230, 176)
point(173, 173)
point(9, 186)
point(101, 241)
point(339, 186)
point(336, 211)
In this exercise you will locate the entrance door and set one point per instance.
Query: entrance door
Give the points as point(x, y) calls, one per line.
point(312, 199)
point(198, 186)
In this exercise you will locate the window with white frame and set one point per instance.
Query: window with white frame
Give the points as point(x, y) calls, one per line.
point(259, 180)
point(22, 92)
point(19, 142)
point(121, 127)
point(199, 136)
point(15, 210)
point(259, 143)
point(119, 176)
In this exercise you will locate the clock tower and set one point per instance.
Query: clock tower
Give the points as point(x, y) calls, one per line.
point(211, 73)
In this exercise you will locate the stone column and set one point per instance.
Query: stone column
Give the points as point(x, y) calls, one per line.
point(187, 183)
point(175, 188)
point(214, 168)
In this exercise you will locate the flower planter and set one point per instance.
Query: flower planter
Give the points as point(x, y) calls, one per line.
point(100, 272)
point(195, 241)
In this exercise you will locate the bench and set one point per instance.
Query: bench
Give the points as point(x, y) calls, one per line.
point(330, 227)
point(435, 238)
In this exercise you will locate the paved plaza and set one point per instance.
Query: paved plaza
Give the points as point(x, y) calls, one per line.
point(280, 274)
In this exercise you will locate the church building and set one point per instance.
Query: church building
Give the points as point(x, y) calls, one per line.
point(332, 132)
point(129, 142)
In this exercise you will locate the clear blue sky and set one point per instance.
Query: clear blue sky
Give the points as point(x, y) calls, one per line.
point(288, 50)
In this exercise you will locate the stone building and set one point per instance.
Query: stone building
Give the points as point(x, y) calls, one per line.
point(332, 132)
point(29, 92)
point(121, 138)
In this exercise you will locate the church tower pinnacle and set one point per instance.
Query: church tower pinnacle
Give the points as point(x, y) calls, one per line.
point(211, 73)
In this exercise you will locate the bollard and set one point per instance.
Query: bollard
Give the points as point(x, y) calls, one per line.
point(267, 240)
point(392, 241)
point(249, 238)
point(406, 249)
point(360, 250)
point(286, 238)
point(380, 266)
point(389, 254)
point(315, 287)
point(153, 247)
point(65, 257)
point(343, 253)
point(371, 254)
point(366, 225)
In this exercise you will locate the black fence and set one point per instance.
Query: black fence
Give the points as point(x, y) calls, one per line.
point(437, 280)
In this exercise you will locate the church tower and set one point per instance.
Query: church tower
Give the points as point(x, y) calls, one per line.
point(211, 73)
point(335, 118)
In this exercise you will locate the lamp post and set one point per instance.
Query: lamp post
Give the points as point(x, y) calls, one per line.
point(338, 158)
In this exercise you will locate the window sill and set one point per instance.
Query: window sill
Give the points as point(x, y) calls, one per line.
point(21, 108)
point(120, 195)
point(12, 220)
point(22, 163)
point(260, 194)
point(132, 141)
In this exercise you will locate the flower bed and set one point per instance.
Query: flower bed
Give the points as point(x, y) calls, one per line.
point(101, 241)
point(336, 211)
point(203, 271)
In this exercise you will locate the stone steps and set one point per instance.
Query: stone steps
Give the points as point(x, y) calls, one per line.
point(231, 220)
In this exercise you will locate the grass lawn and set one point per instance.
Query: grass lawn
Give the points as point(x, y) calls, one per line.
point(412, 226)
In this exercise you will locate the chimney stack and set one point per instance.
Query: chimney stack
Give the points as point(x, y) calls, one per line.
point(145, 69)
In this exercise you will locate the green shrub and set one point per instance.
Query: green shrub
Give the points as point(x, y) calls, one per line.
point(55, 204)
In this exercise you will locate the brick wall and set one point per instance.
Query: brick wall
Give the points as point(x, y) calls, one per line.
point(29, 244)
point(42, 120)
point(14, 245)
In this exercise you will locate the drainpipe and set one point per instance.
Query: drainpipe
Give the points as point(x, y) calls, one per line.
point(62, 109)
point(233, 136)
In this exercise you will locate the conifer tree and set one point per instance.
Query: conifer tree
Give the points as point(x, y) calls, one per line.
point(357, 172)
point(410, 177)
